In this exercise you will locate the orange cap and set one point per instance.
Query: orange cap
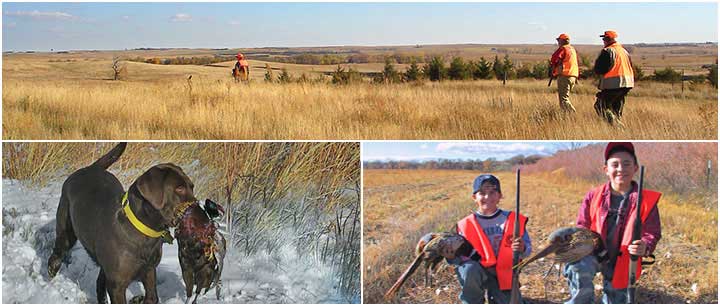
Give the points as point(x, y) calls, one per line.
point(240, 56)
point(564, 36)
point(609, 34)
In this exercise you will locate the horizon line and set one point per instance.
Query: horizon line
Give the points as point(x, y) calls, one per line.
point(351, 46)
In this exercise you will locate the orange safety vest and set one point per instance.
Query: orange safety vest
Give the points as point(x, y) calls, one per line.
point(243, 63)
point(503, 261)
point(569, 65)
point(621, 73)
point(649, 201)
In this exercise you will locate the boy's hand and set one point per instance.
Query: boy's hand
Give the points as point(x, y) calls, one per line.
point(518, 245)
point(637, 248)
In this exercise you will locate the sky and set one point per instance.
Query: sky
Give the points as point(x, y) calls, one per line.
point(42, 26)
point(421, 151)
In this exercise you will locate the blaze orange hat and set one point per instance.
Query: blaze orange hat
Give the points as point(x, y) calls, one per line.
point(564, 36)
point(240, 56)
point(609, 34)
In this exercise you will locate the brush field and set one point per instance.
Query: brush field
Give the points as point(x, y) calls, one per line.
point(401, 205)
point(72, 96)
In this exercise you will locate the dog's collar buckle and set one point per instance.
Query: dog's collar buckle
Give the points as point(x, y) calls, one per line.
point(147, 231)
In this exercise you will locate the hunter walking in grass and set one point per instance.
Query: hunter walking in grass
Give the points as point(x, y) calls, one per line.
point(607, 210)
point(241, 71)
point(489, 230)
point(617, 78)
point(564, 67)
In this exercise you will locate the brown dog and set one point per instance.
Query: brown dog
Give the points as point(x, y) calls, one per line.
point(201, 250)
point(109, 222)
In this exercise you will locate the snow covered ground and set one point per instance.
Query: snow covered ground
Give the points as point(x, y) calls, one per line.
point(28, 227)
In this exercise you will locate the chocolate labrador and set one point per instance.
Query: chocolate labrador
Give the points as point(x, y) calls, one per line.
point(122, 231)
point(201, 249)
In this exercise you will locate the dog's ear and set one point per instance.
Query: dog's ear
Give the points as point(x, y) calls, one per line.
point(151, 186)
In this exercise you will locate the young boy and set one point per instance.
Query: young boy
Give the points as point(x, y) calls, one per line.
point(609, 210)
point(489, 230)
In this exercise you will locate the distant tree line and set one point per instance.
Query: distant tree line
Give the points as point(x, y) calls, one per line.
point(181, 60)
point(670, 75)
point(460, 69)
point(434, 68)
point(355, 58)
point(488, 165)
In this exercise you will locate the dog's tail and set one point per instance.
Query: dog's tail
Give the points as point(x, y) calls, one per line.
point(111, 157)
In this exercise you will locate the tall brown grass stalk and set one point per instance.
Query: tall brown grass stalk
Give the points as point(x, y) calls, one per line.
point(449, 110)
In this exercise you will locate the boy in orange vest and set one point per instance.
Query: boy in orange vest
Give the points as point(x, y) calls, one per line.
point(565, 67)
point(617, 78)
point(609, 210)
point(489, 230)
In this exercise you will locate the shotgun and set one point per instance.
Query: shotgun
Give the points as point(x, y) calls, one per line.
point(515, 291)
point(550, 74)
point(636, 235)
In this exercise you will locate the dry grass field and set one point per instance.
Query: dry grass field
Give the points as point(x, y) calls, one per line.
point(401, 205)
point(72, 96)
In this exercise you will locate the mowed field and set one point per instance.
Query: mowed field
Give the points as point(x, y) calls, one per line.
point(399, 206)
point(71, 96)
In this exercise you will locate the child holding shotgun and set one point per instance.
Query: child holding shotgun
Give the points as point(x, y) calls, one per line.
point(490, 231)
point(611, 211)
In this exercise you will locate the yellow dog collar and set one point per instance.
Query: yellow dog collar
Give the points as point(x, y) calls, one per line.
point(137, 223)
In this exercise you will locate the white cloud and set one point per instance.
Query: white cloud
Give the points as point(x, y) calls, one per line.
point(234, 22)
point(423, 146)
point(126, 17)
point(181, 17)
point(42, 15)
point(386, 158)
point(9, 25)
point(538, 26)
point(493, 148)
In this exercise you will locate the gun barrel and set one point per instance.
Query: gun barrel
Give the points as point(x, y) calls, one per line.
point(515, 291)
point(637, 235)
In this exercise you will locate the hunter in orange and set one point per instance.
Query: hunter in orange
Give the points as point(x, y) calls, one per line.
point(615, 67)
point(608, 210)
point(489, 230)
point(564, 67)
point(241, 71)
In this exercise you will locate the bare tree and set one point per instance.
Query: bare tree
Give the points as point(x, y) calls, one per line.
point(119, 69)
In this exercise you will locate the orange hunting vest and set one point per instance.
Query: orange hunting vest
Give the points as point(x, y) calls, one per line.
point(503, 261)
point(649, 200)
point(621, 73)
point(569, 64)
point(243, 63)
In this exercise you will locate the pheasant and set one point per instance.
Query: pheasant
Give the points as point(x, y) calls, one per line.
point(568, 244)
point(431, 249)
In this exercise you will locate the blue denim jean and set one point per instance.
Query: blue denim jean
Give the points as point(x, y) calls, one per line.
point(475, 280)
point(580, 275)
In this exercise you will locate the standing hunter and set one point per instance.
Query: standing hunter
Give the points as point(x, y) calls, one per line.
point(564, 67)
point(241, 71)
point(615, 67)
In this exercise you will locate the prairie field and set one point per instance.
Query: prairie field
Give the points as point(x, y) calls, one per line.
point(399, 206)
point(73, 96)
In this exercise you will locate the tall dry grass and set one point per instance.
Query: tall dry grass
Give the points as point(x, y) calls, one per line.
point(401, 205)
point(215, 108)
point(306, 195)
